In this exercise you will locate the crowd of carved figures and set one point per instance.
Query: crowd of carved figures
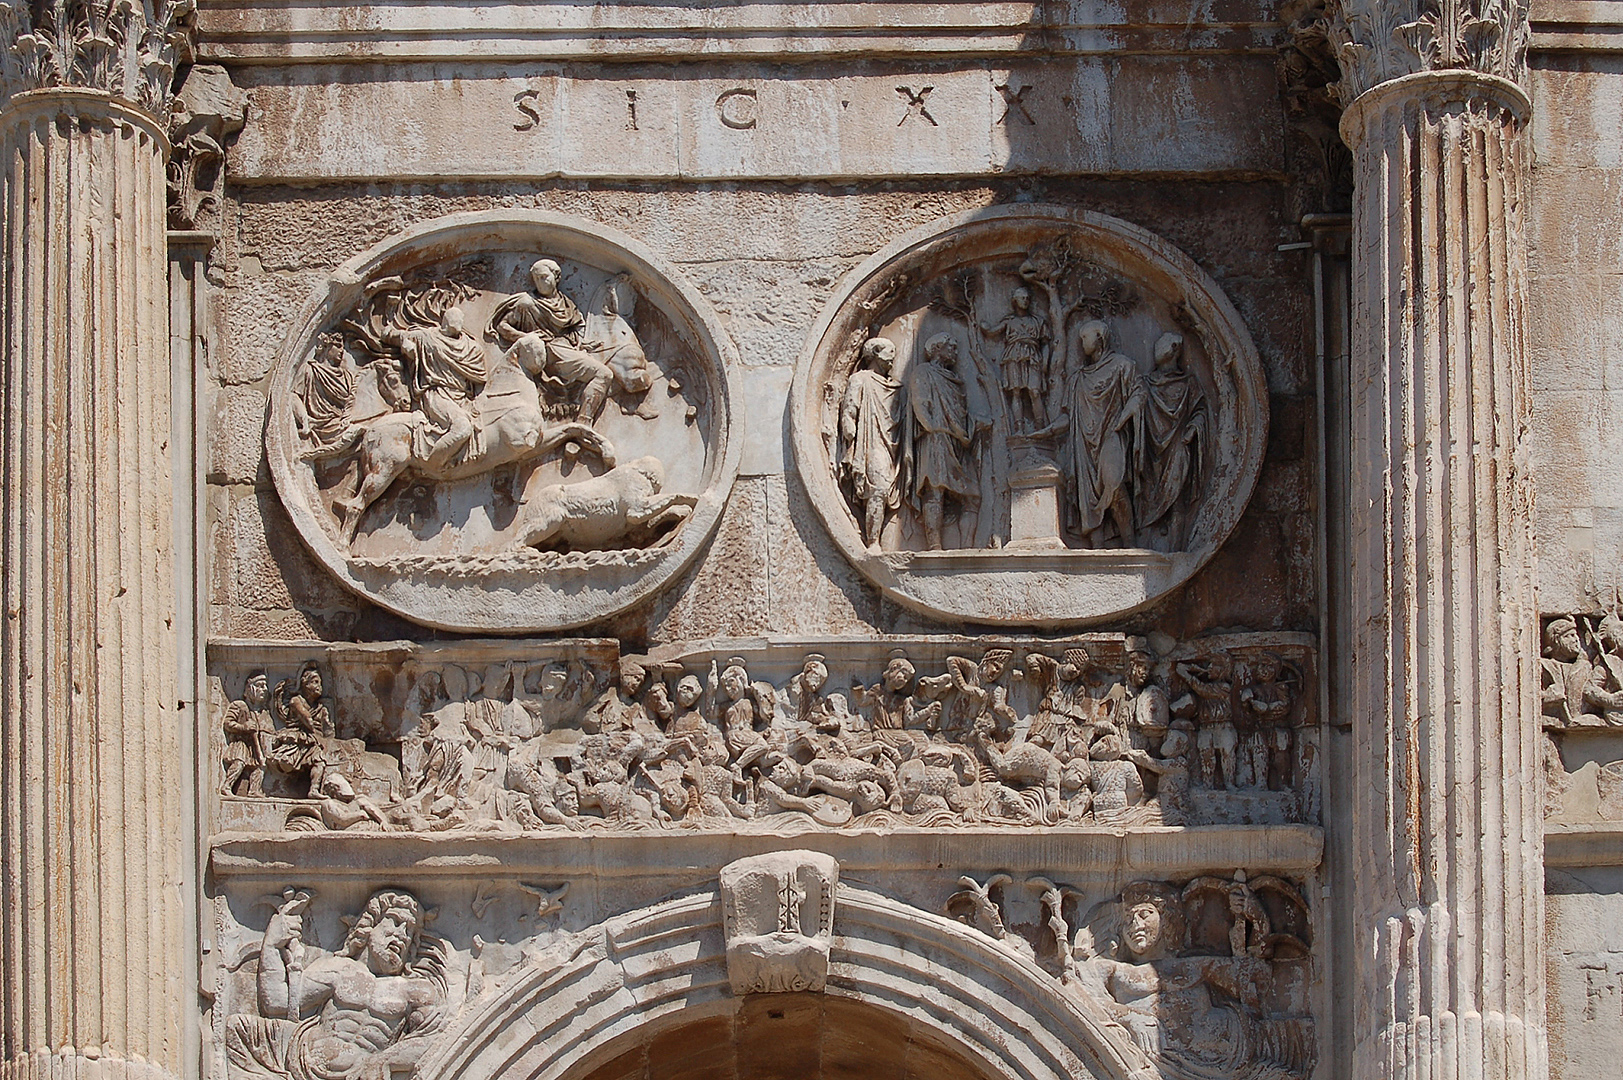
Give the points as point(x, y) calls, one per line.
point(1107, 735)
point(1131, 440)
point(1582, 698)
point(408, 385)
point(1208, 978)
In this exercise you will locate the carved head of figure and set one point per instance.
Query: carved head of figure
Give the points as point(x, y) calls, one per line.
point(1108, 748)
point(735, 680)
point(335, 786)
point(632, 677)
point(658, 701)
point(257, 692)
point(1168, 349)
point(1267, 667)
point(1095, 337)
point(1152, 921)
point(1611, 633)
point(566, 797)
point(994, 662)
point(330, 349)
point(1219, 666)
point(1561, 641)
point(942, 349)
point(898, 674)
point(1076, 664)
point(814, 674)
point(1020, 300)
point(554, 677)
point(545, 275)
point(386, 934)
point(1139, 662)
point(688, 691)
point(310, 683)
point(880, 354)
point(453, 323)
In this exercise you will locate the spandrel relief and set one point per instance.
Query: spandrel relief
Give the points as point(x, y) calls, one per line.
point(1029, 415)
point(1211, 977)
point(1206, 975)
point(504, 423)
point(1098, 731)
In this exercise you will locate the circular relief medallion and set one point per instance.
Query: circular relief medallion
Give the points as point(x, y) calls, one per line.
point(509, 422)
point(1029, 415)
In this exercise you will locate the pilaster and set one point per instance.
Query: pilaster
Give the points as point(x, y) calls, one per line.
point(1446, 840)
point(93, 837)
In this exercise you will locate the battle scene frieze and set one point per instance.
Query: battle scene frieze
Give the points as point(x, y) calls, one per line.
point(1029, 415)
point(766, 736)
point(504, 421)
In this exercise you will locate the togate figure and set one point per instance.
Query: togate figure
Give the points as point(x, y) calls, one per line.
point(361, 1013)
point(939, 428)
point(1105, 400)
point(870, 422)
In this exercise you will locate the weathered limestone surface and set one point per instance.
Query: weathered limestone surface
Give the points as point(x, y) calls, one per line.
point(582, 393)
point(1443, 619)
point(93, 835)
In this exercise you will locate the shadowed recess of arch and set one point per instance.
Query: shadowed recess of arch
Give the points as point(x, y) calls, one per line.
point(969, 1009)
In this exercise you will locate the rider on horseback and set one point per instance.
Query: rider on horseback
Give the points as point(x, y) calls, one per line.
point(548, 323)
point(447, 370)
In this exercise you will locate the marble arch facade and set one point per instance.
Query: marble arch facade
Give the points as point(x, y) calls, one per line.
point(582, 541)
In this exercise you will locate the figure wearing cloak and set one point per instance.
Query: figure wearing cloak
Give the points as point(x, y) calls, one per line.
point(939, 429)
point(1106, 402)
point(547, 324)
point(1175, 434)
point(447, 370)
point(870, 423)
point(323, 401)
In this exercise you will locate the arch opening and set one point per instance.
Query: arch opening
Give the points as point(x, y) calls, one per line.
point(803, 1036)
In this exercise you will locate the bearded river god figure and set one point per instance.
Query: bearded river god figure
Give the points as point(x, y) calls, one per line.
point(546, 414)
point(361, 1013)
point(1081, 417)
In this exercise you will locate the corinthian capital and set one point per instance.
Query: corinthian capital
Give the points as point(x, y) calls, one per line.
point(1376, 41)
point(128, 48)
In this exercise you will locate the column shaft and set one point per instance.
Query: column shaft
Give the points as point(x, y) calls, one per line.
point(1447, 888)
point(91, 779)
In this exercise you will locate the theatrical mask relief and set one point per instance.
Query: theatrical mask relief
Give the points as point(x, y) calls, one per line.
point(934, 733)
point(1203, 978)
point(500, 422)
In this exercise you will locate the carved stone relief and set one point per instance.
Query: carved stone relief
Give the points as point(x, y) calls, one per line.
point(1209, 978)
point(504, 422)
point(1029, 415)
point(1100, 730)
point(1582, 698)
point(1210, 975)
point(778, 912)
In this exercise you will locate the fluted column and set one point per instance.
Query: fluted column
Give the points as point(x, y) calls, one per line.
point(1447, 840)
point(93, 832)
